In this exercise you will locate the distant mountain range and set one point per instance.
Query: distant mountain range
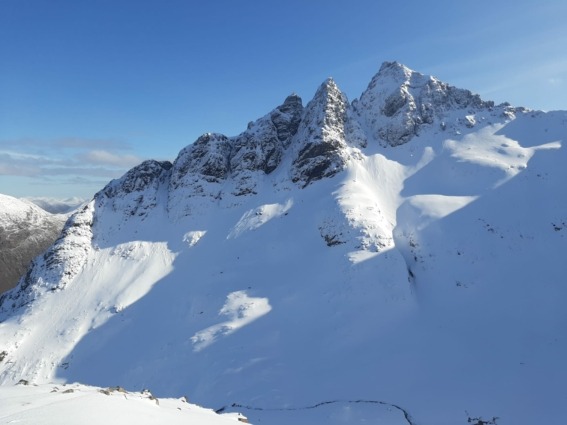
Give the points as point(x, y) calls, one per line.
point(396, 259)
point(57, 206)
point(25, 232)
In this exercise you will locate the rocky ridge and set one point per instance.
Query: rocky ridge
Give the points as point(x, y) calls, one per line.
point(321, 138)
point(292, 143)
point(316, 141)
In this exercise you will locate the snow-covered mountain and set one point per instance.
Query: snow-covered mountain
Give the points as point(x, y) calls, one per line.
point(399, 258)
point(25, 232)
point(56, 205)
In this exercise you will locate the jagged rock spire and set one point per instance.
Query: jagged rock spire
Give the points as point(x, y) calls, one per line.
point(320, 141)
point(324, 135)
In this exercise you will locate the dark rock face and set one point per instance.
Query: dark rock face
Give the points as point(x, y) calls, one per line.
point(136, 192)
point(261, 146)
point(286, 118)
point(138, 179)
point(321, 137)
point(214, 158)
point(199, 171)
point(202, 168)
point(321, 140)
point(209, 157)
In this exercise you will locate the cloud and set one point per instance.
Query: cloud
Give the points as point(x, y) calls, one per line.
point(39, 168)
point(10, 169)
point(105, 157)
point(64, 166)
point(78, 143)
point(83, 171)
point(66, 143)
point(83, 181)
point(65, 157)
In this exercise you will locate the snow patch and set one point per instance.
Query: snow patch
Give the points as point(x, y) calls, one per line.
point(487, 148)
point(259, 216)
point(191, 238)
point(240, 309)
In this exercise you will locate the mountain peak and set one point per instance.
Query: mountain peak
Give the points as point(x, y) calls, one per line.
point(399, 102)
point(394, 69)
point(323, 136)
point(328, 88)
point(292, 99)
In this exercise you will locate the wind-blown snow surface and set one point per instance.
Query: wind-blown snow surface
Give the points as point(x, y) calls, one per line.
point(72, 404)
point(422, 283)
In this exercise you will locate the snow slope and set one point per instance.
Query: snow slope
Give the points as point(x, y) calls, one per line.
point(317, 269)
point(72, 404)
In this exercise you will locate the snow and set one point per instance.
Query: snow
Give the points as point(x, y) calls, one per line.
point(241, 311)
point(422, 284)
point(259, 216)
point(487, 148)
point(71, 404)
point(57, 206)
point(194, 236)
point(14, 210)
point(25, 232)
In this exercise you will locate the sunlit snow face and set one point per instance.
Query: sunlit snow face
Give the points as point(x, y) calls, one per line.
point(240, 309)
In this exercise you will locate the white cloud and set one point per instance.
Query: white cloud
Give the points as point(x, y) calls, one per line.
point(68, 158)
point(84, 143)
point(11, 169)
point(109, 158)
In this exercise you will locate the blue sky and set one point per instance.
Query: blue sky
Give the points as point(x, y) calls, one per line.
point(89, 88)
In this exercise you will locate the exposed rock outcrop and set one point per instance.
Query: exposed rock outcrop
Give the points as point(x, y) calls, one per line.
point(137, 192)
point(261, 147)
point(325, 133)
